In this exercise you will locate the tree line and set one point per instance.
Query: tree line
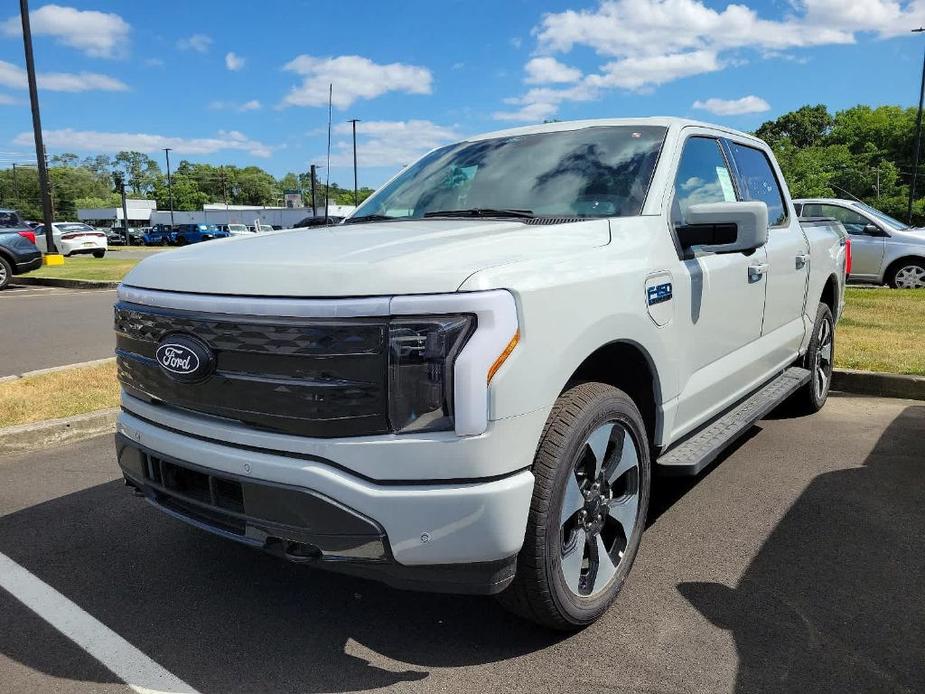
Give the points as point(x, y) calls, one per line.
point(92, 182)
point(862, 152)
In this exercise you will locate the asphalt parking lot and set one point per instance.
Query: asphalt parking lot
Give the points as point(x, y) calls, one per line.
point(48, 326)
point(793, 565)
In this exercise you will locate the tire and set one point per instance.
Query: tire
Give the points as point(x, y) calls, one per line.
point(909, 274)
point(819, 358)
point(181, 240)
point(99, 254)
point(552, 587)
point(6, 273)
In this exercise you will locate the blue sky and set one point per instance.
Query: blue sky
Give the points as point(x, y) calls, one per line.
point(246, 82)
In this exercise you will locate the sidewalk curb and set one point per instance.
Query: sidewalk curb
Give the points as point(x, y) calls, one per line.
point(65, 283)
point(56, 369)
point(882, 384)
point(38, 435)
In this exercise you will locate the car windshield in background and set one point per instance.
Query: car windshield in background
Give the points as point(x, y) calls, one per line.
point(74, 227)
point(601, 171)
point(885, 218)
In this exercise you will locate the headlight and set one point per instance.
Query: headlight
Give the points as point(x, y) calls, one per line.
point(422, 354)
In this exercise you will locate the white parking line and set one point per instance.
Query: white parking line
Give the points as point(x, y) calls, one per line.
point(132, 666)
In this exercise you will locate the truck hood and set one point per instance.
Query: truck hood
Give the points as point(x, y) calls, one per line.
point(370, 259)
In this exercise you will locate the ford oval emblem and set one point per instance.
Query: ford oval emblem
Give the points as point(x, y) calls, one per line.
point(184, 358)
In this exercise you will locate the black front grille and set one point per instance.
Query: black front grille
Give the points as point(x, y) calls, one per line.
point(312, 377)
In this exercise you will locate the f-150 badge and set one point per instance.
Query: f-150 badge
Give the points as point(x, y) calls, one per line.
point(659, 293)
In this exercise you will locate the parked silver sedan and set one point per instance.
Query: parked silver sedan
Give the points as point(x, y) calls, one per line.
point(883, 249)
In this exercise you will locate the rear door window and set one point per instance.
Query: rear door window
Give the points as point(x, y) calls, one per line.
point(758, 182)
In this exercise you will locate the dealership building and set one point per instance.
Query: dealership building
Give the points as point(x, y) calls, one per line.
point(143, 213)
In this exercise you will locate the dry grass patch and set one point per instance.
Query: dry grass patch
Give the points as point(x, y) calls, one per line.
point(882, 330)
point(59, 394)
point(88, 268)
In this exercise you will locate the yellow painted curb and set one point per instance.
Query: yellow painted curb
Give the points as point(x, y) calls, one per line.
point(52, 259)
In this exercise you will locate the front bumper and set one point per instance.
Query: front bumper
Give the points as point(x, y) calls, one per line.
point(458, 536)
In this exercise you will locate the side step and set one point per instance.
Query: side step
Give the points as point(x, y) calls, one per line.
point(693, 454)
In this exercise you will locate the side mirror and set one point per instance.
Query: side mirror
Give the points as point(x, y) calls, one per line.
point(872, 229)
point(725, 227)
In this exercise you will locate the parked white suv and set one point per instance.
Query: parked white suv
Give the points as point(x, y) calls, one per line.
point(470, 385)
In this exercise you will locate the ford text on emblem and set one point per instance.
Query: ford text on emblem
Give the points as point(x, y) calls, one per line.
point(184, 358)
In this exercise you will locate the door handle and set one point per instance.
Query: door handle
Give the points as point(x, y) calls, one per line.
point(755, 272)
point(802, 259)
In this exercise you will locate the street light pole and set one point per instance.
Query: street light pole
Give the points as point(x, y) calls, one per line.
point(37, 128)
point(356, 195)
point(918, 135)
point(169, 186)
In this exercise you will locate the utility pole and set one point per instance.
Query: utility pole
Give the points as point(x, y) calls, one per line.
point(312, 173)
point(221, 171)
point(356, 195)
point(15, 187)
point(918, 135)
point(120, 185)
point(169, 186)
point(37, 129)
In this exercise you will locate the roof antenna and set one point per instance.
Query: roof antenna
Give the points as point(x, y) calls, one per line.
point(327, 184)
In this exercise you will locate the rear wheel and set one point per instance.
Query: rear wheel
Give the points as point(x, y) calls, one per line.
point(589, 506)
point(99, 254)
point(819, 360)
point(6, 273)
point(909, 274)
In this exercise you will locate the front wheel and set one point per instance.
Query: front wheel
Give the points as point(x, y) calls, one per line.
point(908, 275)
point(590, 498)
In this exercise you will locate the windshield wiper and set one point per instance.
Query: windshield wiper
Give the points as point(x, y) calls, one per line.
point(371, 218)
point(481, 212)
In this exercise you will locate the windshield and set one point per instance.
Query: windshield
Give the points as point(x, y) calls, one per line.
point(591, 172)
point(74, 227)
point(883, 217)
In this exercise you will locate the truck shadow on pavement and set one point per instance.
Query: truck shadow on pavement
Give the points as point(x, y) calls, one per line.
point(834, 601)
point(227, 618)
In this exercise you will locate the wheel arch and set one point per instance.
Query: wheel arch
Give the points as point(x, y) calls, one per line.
point(626, 365)
point(894, 264)
point(829, 295)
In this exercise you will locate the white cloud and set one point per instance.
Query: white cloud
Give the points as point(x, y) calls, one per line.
point(733, 107)
point(233, 61)
point(197, 42)
point(14, 77)
point(545, 70)
point(95, 141)
point(153, 62)
point(389, 143)
point(647, 43)
point(7, 100)
point(252, 105)
point(354, 77)
point(98, 34)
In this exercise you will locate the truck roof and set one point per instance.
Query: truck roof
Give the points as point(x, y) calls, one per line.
point(663, 121)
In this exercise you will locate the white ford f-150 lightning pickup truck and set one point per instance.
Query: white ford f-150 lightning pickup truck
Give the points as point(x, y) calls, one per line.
point(470, 385)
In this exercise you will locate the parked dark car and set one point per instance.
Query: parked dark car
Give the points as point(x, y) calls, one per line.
point(116, 236)
point(319, 221)
point(158, 235)
point(185, 234)
point(18, 252)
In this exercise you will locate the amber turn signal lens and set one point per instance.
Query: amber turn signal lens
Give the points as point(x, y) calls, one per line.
point(503, 356)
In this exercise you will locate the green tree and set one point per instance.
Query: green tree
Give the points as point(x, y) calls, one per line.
point(139, 169)
point(806, 127)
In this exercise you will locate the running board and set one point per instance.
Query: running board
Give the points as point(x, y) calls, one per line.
point(693, 454)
